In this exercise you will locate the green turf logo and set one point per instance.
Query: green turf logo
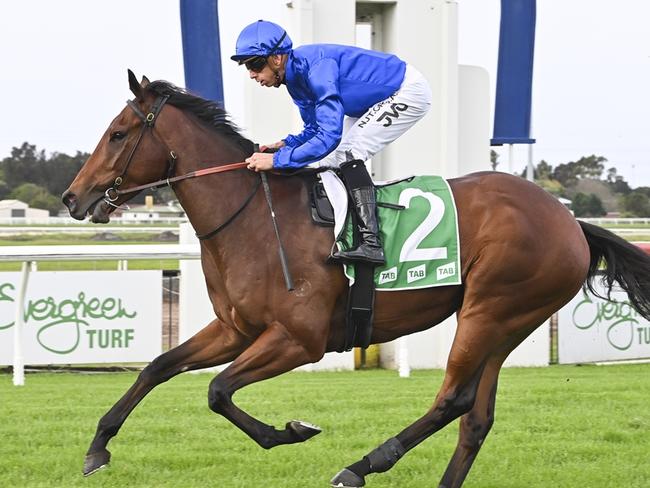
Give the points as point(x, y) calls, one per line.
point(67, 318)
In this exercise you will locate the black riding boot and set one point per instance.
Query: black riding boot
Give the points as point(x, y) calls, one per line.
point(361, 189)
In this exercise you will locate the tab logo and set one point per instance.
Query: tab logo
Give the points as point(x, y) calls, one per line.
point(388, 275)
point(446, 271)
point(415, 274)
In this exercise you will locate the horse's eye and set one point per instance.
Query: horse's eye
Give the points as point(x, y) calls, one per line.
point(117, 135)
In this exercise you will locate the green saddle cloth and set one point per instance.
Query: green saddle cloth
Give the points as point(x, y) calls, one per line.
point(420, 242)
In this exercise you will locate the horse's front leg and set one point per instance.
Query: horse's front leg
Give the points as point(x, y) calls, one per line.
point(216, 344)
point(274, 352)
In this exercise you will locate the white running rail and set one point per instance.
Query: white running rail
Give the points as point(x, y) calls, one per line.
point(29, 255)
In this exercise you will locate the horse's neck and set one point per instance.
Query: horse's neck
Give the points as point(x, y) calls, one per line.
point(209, 201)
point(212, 200)
point(206, 198)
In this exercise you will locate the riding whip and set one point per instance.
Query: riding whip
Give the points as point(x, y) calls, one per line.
point(283, 257)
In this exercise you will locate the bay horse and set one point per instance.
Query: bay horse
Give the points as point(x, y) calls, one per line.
point(523, 256)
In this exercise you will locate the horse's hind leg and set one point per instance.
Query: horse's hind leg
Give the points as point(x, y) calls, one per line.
point(468, 390)
point(274, 352)
point(474, 426)
point(216, 344)
point(456, 397)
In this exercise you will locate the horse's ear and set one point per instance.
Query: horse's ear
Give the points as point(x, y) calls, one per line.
point(145, 81)
point(135, 87)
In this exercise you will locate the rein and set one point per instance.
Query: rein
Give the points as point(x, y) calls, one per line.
point(148, 122)
point(193, 174)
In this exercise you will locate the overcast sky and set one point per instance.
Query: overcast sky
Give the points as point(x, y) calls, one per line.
point(63, 72)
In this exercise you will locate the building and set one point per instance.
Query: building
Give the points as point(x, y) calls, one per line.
point(150, 212)
point(15, 209)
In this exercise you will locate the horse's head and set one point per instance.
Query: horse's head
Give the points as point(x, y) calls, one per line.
point(127, 155)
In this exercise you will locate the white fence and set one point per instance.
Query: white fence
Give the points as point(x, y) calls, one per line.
point(70, 221)
point(605, 221)
point(53, 229)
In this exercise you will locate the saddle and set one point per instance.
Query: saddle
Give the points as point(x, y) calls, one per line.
point(322, 212)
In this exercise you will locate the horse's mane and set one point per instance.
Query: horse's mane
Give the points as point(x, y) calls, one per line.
point(207, 111)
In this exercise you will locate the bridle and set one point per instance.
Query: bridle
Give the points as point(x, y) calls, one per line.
point(148, 121)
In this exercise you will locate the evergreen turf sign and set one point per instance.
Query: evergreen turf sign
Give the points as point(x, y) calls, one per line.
point(84, 317)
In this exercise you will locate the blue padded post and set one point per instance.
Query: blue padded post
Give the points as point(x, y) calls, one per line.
point(201, 48)
point(515, 73)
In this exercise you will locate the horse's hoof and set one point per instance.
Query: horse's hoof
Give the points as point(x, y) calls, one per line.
point(303, 431)
point(347, 479)
point(96, 461)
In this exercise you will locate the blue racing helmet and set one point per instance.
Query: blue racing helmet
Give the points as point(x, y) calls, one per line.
point(261, 38)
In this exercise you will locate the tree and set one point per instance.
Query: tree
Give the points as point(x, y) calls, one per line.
point(27, 192)
point(636, 204)
point(552, 186)
point(22, 166)
point(566, 174)
point(587, 205)
point(543, 175)
point(595, 206)
point(26, 164)
point(591, 166)
point(60, 169)
point(55, 172)
point(543, 171)
point(642, 189)
point(620, 186)
point(494, 159)
point(48, 202)
point(4, 190)
point(586, 167)
point(611, 175)
point(37, 197)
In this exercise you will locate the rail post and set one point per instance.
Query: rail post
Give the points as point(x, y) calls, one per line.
point(19, 319)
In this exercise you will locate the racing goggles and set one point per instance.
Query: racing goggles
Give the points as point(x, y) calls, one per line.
point(255, 64)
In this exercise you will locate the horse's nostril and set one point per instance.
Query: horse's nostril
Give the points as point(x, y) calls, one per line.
point(69, 199)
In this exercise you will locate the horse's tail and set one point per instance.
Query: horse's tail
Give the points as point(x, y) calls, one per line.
point(625, 264)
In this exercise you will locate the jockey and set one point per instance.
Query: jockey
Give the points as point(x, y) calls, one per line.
point(376, 96)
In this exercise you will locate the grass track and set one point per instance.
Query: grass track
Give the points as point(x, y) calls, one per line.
point(562, 426)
